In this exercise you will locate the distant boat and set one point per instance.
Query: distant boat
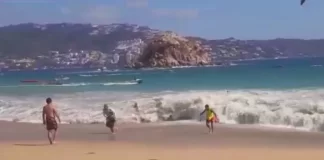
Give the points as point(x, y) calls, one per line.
point(29, 81)
point(138, 81)
point(42, 82)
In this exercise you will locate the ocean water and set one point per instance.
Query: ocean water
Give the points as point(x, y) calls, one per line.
point(279, 93)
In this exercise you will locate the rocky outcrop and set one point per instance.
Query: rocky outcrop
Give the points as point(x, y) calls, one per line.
point(168, 49)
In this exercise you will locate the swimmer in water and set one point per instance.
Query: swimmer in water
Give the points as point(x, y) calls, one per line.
point(211, 117)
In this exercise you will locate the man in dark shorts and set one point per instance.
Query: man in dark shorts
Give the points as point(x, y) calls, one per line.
point(49, 119)
point(110, 118)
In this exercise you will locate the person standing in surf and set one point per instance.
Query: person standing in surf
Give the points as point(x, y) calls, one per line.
point(49, 119)
point(138, 114)
point(110, 118)
point(136, 108)
point(211, 117)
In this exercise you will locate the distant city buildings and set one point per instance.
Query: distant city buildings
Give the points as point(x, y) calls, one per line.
point(56, 59)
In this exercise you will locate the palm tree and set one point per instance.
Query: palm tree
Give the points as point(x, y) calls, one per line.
point(302, 2)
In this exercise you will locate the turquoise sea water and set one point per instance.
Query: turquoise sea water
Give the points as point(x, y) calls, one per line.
point(265, 74)
point(285, 92)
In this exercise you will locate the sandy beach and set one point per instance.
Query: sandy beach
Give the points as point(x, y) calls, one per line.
point(163, 142)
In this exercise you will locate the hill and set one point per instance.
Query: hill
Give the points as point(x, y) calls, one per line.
point(118, 44)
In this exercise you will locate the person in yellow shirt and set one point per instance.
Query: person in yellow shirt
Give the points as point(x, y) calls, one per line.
point(211, 117)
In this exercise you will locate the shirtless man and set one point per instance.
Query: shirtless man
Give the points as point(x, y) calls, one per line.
point(49, 115)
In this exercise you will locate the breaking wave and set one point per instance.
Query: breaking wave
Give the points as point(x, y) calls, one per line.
point(302, 109)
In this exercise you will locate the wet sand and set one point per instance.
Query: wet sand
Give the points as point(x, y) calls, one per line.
point(163, 142)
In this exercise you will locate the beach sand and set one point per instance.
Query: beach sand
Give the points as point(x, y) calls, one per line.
point(24, 141)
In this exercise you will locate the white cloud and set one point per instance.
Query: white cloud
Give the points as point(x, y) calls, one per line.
point(177, 13)
point(101, 14)
point(136, 3)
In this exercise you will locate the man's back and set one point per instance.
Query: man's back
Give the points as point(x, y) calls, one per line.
point(49, 111)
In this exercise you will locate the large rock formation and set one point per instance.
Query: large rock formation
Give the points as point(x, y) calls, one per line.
point(168, 49)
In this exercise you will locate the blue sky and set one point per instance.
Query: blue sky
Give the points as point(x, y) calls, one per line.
point(212, 19)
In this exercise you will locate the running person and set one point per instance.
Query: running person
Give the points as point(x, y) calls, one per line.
point(110, 118)
point(210, 117)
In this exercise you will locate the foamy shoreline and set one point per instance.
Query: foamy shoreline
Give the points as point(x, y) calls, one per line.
point(301, 109)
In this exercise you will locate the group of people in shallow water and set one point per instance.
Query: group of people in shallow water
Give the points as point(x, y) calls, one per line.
point(50, 114)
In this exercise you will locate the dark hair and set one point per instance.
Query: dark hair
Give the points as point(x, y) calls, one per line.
point(206, 105)
point(48, 100)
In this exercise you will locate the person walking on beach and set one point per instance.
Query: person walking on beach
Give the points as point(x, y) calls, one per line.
point(110, 118)
point(49, 119)
point(211, 117)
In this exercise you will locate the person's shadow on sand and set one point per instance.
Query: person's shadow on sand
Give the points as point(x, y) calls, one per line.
point(32, 145)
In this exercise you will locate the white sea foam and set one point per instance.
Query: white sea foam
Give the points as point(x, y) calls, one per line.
point(118, 74)
point(303, 109)
point(88, 75)
point(317, 65)
point(111, 74)
point(119, 83)
point(75, 84)
point(64, 78)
